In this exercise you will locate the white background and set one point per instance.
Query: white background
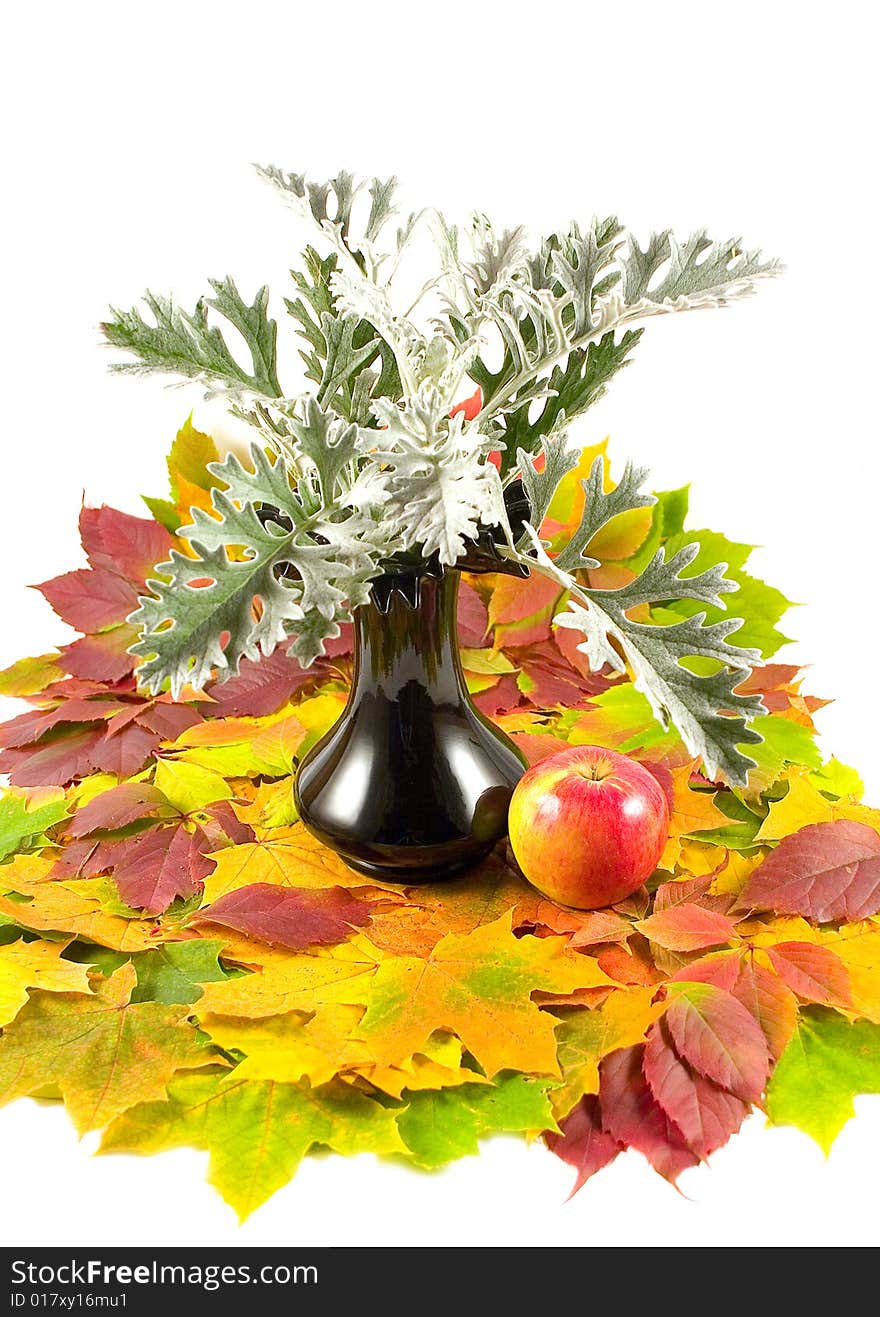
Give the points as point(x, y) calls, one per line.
point(128, 132)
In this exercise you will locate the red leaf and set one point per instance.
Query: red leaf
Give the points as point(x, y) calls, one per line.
point(628, 967)
point(86, 859)
point(599, 926)
point(500, 698)
point(292, 917)
point(128, 546)
point(706, 1114)
point(583, 1143)
point(633, 1117)
point(115, 808)
point(228, 824)
point(687, 927)
point(29, 727)
point(160, 865)
point(716, 1035)
point(168, 720)
point(100, 658)
point(90, 599)
point(766, 997)
point(721, 969)
point(473, 618)
point(813, 972)
point(566, 641)
point(55, 761)
point(525, 606)
point(261, 686)
point(668, 895)
point(124, 752)
point(825, 871)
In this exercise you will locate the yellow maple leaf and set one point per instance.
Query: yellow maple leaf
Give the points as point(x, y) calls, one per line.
point(25, 965)
point(478, 986)
point(692, 811)
point(54, 907)
point(283, 981)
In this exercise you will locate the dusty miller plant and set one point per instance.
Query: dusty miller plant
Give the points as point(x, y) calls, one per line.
point(369, 466)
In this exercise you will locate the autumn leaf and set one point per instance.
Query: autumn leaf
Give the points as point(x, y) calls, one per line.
point(23, 818)
point(117, 807)
point(633, 1118)
point(257, 1133)
point(687, 927)
point(25, 965)
point(718, 1037)
point(586, 1036)
point(127, 546)
point(55, 908)
point(188, 787)
point(813, 972)
point(582, 1142)
point(825, 871)
point(705, 1113)
point(768, 1000)
point(279, 980)
point(160, 866)
point(174, 972)
point(692, 811)
point(29, 676)
point(828, 1062)
point(478, 985)
point(102, 1052)
point(90, 599)
point(438, 1127)
point(288, 857)
point(292, 917)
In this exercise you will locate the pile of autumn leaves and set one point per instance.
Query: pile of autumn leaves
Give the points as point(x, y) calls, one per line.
point(181, 964)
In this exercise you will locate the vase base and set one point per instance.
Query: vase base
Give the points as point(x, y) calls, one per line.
point(410, 876)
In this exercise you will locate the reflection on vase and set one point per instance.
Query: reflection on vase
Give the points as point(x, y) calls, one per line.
point(412, 783)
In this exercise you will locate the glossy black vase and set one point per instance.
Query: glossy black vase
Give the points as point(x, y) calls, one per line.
point(412, 783)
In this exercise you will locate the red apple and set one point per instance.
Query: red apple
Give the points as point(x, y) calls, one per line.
point(588, 826)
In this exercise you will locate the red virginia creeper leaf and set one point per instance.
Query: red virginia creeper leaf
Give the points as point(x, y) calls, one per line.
point(583, 1143)
point(55, 761)
point(766, 997)
point(706, 1114)
point(124, 753)
point(128, 546)
point(115, 808)
point(292, 917)
point(813, 972)
point(500, 698)
point(90, 599)
point(100, 658)
point(261, 687)
point(633, 1117)
point(687, 927)
point(825, 871)
point(160, 865)
point(719, 1038)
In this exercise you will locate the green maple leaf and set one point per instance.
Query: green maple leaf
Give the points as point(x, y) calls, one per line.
point(102, 1052)
point(438, 1127)
point(256, 1131)
point(828, 1062)
point(174, 972)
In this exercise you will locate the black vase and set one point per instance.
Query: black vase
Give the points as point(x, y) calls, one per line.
point(412, 783)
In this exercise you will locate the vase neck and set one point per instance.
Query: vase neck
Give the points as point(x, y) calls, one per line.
point(410, 639)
